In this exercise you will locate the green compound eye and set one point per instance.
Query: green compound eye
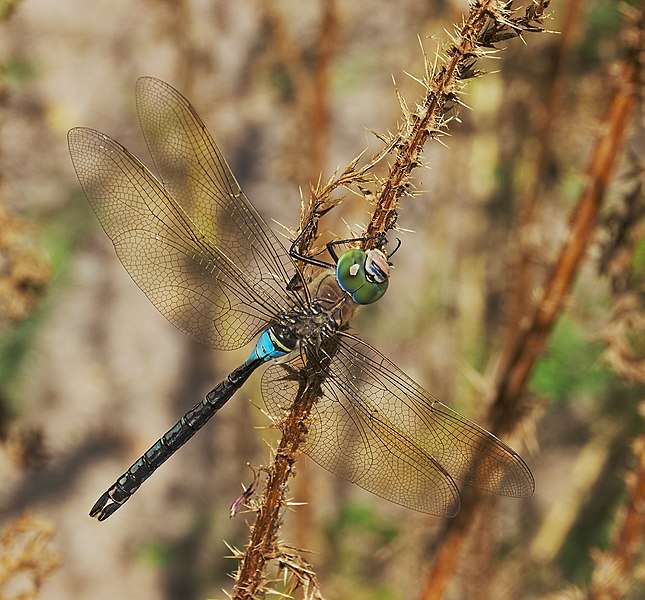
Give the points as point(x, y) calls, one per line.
point(370, 292)
point(362, 274)
point(350, 270)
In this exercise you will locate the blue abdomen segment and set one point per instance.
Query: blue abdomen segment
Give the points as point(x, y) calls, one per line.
point(272, 344)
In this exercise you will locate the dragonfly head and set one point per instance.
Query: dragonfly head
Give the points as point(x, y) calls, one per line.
point(364, 274)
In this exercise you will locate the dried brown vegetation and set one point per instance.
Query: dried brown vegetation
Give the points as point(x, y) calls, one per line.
point(27, 558)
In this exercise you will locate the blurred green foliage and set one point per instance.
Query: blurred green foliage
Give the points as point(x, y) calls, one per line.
point(358, 537)
point(159, 553)
point(603, 20)
point(7, 7)
point(17, 70)
point(571, 368)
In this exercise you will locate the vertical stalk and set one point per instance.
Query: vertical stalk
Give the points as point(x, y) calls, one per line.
point(526, 347)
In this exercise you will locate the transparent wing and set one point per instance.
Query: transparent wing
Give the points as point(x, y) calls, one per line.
point(196, 174)
point(376, 427)
point(207, 290)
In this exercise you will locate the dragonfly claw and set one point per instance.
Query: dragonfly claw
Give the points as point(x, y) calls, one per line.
point(99, 506)
point(105, 506)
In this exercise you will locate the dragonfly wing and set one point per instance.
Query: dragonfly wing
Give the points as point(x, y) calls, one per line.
point(375, 426)
point(190, 280)
point(350, 439)
point(465, 450)
point(196, 174)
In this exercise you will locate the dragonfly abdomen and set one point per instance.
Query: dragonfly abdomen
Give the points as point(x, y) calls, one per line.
point(274, 342)
point(172, 440)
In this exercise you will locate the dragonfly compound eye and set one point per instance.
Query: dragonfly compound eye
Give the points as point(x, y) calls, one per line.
point(350, 270)
point(362, 274)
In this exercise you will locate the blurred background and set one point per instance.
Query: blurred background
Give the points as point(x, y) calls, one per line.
point(91, 374)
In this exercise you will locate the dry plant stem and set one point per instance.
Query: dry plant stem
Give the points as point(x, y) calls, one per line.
point(319, 120)
point(320, 101)
point(486, 23)
point(530, 342)
point(524, 350)
point(310, 85)
point(262, 546)
point(523, 278)
point(427, 120)
point(311, 91)
point(289, 55)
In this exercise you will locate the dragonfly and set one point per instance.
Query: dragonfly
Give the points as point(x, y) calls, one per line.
point(207, 260)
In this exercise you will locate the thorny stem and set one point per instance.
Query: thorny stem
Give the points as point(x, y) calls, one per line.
point(488, 22)
point(426, 120)
point(524, 350)
point(610, 579)
point(262, 546)
point(311, 92)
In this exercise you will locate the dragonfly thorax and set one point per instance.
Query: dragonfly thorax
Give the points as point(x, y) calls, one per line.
point(329, 310)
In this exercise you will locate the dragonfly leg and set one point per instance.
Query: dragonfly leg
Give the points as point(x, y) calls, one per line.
point(313, 219)
point(311, 223)
point(379, 236)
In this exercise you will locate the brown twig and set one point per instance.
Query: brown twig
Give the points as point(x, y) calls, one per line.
point(262, 546)
point(524, 276)
point(319, 113)
point(487, 23)
point(527, 346)
point(310, 84)
point(611, 576)
point(614, 568)
point(530, 342)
